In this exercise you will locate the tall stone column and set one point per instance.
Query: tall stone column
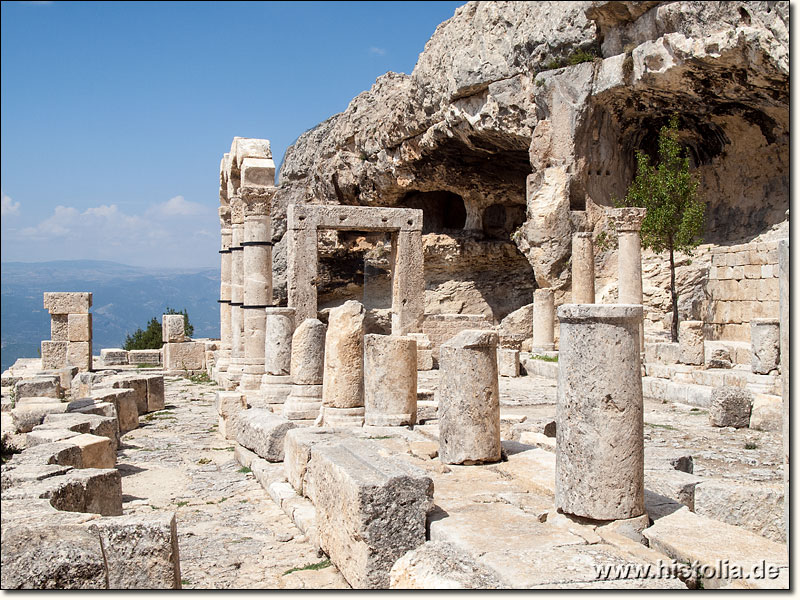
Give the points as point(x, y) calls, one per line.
point(599, 412)
point(408, 282)
point(628, 222)
point(276, 384)
point(582, 268)
point(343, 376)
point(224, 354)
point(783, 285)
point(301, 270)
point(236, 366)
point(257, 280)
point(543, 320)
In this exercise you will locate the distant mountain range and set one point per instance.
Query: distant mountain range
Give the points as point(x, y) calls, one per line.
point(124, 298)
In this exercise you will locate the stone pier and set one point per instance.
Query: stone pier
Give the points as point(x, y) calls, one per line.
point(469, 399)
point(224, 354)
point(236, 366)
point(599, 412)
point(343, 377)
point(783, 282)
point(390, 380)
point(582, 268)
point(543, 320)
point(257, 274)
point(70, 342)
point(692, 348)
point(276, 384)
point(307, 363)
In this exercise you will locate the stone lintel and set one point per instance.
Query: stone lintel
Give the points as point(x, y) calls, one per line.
point(370, 218)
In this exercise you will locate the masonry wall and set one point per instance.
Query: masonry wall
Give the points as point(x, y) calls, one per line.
point(742, 285)
point(440, 328)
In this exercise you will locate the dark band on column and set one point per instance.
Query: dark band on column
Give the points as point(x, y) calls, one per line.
point(255, 305)
point(228, 251)
point(256, 244)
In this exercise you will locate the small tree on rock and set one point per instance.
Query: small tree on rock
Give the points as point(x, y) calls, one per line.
point(151, 337)
point(675, 215)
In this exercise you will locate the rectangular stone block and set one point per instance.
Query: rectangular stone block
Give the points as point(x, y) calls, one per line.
point(258, 172)
point(87, 490)
point(46, 386)
point(173, 328)
point(144, 357)
point(96, 451)
point(141, 551)
point(54, 354)
point(124, 402)
point(297, 451)
point(767, 413)
point(67, 303)
point(508, 362)
point(90, 406)
point(184, 356)
point(79, 354)
point(139, 387)
point(59, 328)
point(262, 431)
point(754, 507)
point(228, 405)
point(371, 509)
point(155, 392)
point(84, 423)
point(114, 356)
point(676, 485)
point(79, 327)
point(424, 360)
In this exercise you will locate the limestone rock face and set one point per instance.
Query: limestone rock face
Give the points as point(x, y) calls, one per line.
point(521, 119)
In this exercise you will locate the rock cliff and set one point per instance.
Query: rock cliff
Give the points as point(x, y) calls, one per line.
point(520, 122)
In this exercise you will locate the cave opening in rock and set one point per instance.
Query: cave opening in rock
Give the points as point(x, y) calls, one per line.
point(500, 220)
point(441, 210)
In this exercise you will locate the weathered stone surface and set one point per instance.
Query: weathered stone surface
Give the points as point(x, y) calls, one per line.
point(97, 451)
point(599, 433)
point(543, 320)
point(767, 413)
point(469, 399)
point(39, 387)
point(114, 356)
point(30, 413)
point(139, 387)
point(88, 490)
point(278, 344)
point(508, 362)
point(390, 380)
point(297, 445)
point(184, 356)
point(343, 379)
point(765, 339)
point(144, 357)
point(755, 507)
point(91, 406)
point(155, 392)
point(54, 354)
point(440, 565)
point(660, 459)
point(124, 402)
point(141, 552)
point(730, 407)
point(582, 268)
point(59, 328)
point(173, 328)
point(691, 342)
point(371, 509)
point(66, 303)
point(308, 352)
point(673, 484)
point(79, 327)
point(79, 354)
point(52, 556)
point(720, 359)
point(262, 431)
point(84, 423)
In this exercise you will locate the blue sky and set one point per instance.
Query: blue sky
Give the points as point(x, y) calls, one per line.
point(114, 116)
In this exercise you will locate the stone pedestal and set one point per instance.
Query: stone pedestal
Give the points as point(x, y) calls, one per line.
point(543, 321)
point(469, 399)
point(783, 286)
point(582, 268)
point(276, 384)
point(307, 362)
point(765, 345)
point(692, 349)
point(390, 380)
point(599, 412)
point(343, 376)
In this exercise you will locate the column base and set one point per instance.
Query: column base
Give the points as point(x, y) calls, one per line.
point(252, 373)
point(303, 402)
point(275, 388)
point(543, 348)
point(382, 420)
point(342, 417)
point(235, 370)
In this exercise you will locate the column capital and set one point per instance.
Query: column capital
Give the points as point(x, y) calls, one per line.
point(237, 210)
point(224, 216)
point(257, 199)
point(628, 218)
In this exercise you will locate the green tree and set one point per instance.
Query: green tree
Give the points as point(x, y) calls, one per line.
point(150, 337)
point(675, 214)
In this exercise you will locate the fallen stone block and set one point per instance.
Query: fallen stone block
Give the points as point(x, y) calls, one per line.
point(45, 386)
point(438, 566)
point(84, 423)
point(673, 484)
point(228, 405)
point(114, 356)
point(30, 412)
point(45, 436)
point(90, 490)
point(141, 551)
point(371, 509)
point(89, 406)
point(755, 507)
point(730, 407)
point(538, 440)
point(67, 303)
point(52, 556)
point(17, 472)
point(96, 451)
point(297, 451)
point(659, 459)
point(720, 359)
point(767, 413)
point(155, 392)
point(65, 376)
point(138, 385)
point(507, 362)
point(262, 431)
point(124, 401)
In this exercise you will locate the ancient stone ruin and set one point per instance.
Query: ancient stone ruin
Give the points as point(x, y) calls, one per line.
point(434, 370)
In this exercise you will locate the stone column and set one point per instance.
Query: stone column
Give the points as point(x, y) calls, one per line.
point(390, 380)
point(343, 377)
point(257, 280)
point(224, 353)
point(236, 366)
point(301, 266)
point(469, 399)
point(628, 223)
point(308, 359)
point(543, 320)
point(582, 268)
point(692, 348)
point(276, 382)
point(599, 412)
point(408, 282)
point(783, 284)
